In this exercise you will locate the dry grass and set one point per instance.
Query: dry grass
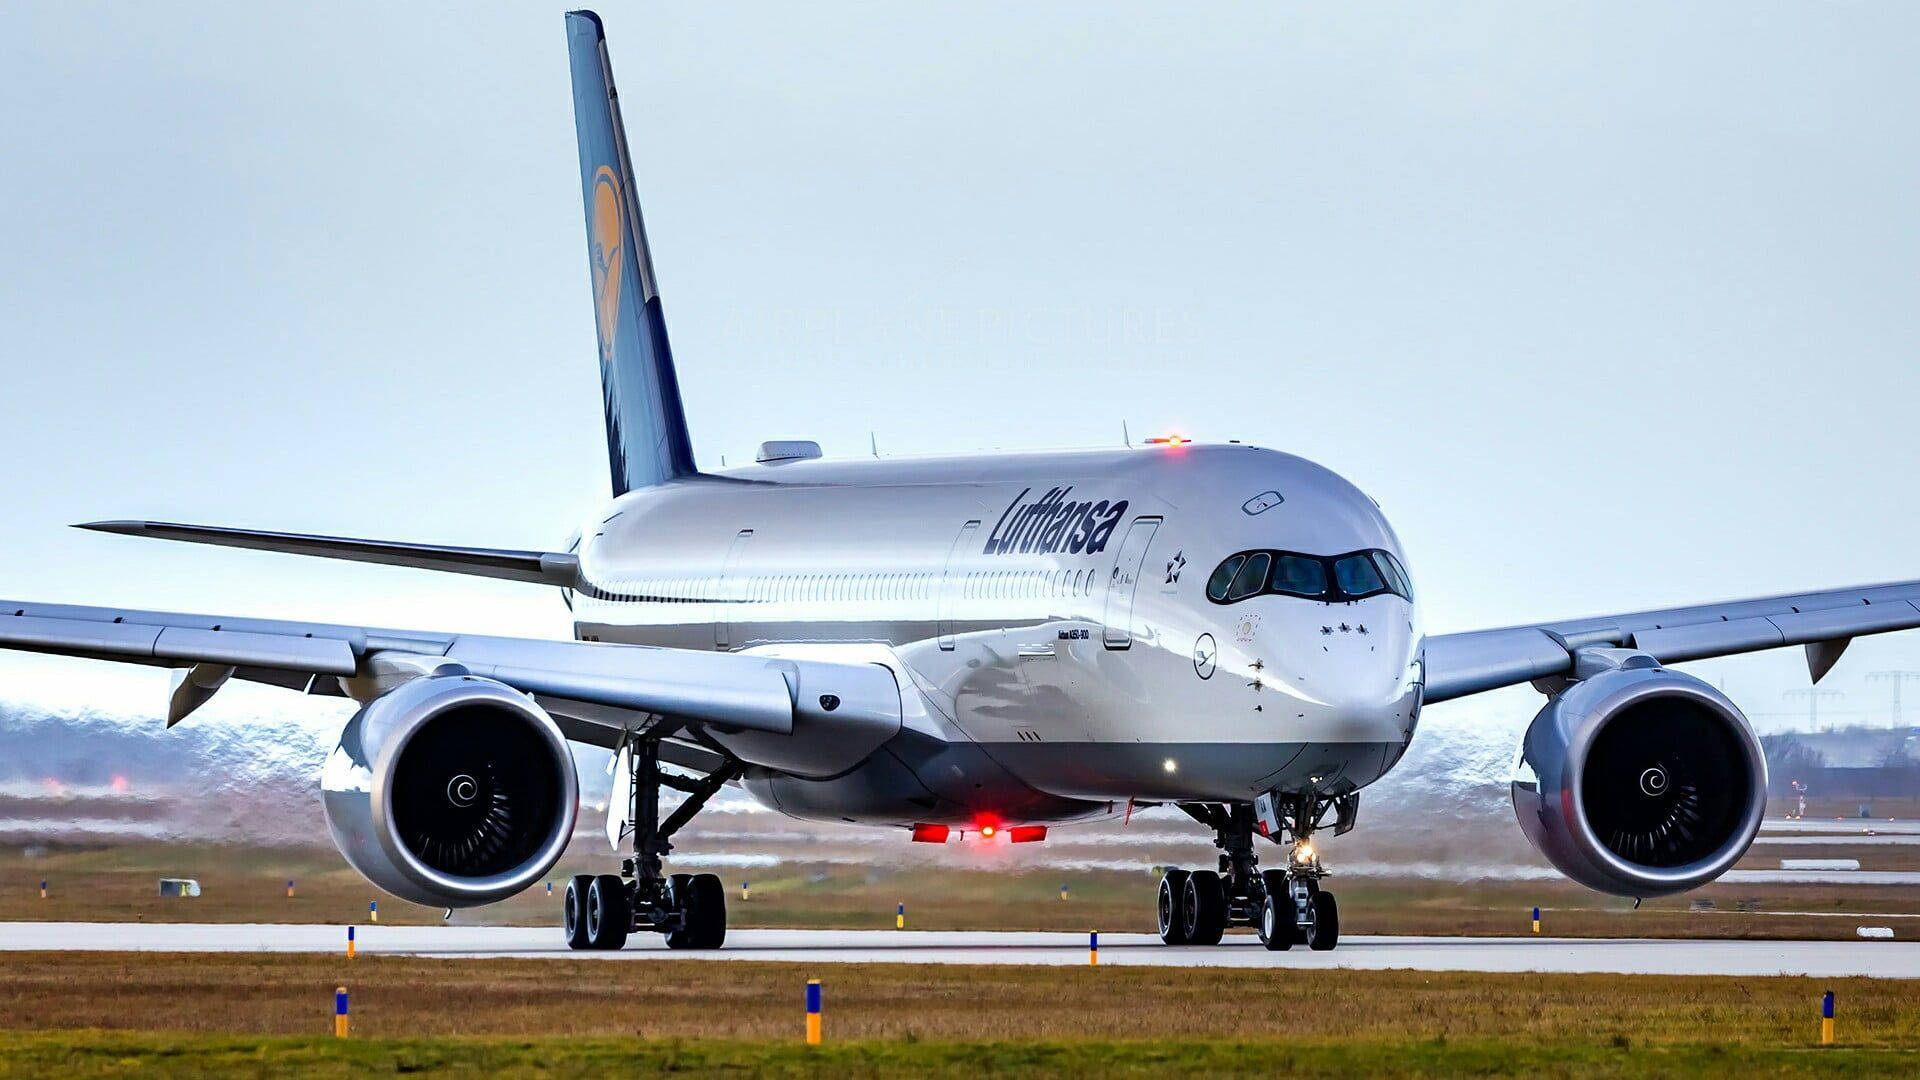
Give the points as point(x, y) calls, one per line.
point(249, 885)
point(403, 997)
point(98, 1054)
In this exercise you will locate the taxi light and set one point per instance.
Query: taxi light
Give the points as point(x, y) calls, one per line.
point(930, 834)
point(1027, 834)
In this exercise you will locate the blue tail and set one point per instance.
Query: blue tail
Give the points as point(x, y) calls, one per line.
point(647, 439)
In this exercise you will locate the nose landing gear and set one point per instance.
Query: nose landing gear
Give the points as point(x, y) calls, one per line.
point(1285, 907)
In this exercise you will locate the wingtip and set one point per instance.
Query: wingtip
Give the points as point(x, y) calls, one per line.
point(125, 527)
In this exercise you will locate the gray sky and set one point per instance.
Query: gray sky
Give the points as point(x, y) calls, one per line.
point(1610, 305)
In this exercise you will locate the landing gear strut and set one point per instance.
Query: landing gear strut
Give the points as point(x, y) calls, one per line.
point(1285, 907)
point(690, 909)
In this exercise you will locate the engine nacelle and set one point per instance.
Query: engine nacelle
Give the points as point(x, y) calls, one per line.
point(1640, 781)
point(452, 791)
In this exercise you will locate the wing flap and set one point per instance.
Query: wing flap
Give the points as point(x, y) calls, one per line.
point(175, 646)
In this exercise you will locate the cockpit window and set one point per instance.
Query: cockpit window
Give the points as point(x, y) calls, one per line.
point(1223, 577)
point(1397, 579)
point(1298, 575)
point(1329, 578)
point(1358, 576)
point(1251, 578)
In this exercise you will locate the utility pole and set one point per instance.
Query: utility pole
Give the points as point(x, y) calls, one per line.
point(1813, 694)
point(1896, 678)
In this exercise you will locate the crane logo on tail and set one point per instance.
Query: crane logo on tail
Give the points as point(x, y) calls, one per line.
point(609, 257)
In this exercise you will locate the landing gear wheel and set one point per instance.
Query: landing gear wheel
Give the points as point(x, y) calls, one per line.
point(1324, 933)
point(609, 913)
point(1205, 908)
point(706, 912)
point(1278, 928)
point(574, 911)
point(1172, 908)
point(678, 888)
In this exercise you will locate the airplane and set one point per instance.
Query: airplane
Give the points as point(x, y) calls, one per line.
point(995, 644)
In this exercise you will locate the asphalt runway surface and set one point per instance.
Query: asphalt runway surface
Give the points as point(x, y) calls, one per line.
point(1827, 959)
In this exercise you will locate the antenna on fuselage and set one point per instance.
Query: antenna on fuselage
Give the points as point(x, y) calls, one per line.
point(1125, 435)
point(873, 441)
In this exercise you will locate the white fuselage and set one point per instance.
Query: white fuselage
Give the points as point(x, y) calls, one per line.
point(1047, 616)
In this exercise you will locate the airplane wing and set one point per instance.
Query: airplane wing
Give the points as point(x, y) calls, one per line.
point(1825, 622)
point(540, 567)
point(595, 691)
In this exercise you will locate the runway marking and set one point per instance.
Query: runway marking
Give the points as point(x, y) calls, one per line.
point(1826, 959)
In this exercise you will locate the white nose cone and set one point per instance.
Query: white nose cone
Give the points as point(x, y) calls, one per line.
point(1357, 678)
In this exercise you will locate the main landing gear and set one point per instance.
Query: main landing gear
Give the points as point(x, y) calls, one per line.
point(690, 909)
point(1285, 907)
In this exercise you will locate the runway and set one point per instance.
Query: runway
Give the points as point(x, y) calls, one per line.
point(1827, 959)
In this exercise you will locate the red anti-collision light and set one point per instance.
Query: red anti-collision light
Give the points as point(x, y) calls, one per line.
point(930, 834)
point(1027, 834)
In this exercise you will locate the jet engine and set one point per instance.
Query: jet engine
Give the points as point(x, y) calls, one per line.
point(452, 791)
point(1640, 781)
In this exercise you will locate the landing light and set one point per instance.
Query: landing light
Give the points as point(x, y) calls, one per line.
point(1170, 765)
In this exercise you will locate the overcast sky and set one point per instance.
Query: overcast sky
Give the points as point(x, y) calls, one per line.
point(1610, 305)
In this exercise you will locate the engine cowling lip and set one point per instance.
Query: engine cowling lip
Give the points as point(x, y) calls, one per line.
point(423, 700)
point(1631, 687)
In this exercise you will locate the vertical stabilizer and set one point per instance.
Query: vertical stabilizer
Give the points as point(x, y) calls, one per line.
point(647, 439)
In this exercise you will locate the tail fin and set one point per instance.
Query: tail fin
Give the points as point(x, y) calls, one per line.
point(647, 439)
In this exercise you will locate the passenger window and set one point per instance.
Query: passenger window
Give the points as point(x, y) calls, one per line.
point(1223, 577)
point(1296, 575)
point(1251, 578)
point(1358, 576)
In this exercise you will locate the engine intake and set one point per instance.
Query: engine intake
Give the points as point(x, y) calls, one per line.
point(451, 790)
point(1640, 781)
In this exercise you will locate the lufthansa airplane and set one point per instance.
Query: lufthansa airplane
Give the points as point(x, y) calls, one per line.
point(988, 644)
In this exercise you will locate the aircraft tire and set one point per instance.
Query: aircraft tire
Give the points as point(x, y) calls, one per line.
point(609, 913)
point(573, 911)
point(679, 890)
point(1170, 909)
point(1205, 907)
point(1324, 934)
point(706, 912)
point(1276, 926)
point(1276, 923)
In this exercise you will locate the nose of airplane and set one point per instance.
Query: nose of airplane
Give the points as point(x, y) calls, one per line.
point(1357, 677)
